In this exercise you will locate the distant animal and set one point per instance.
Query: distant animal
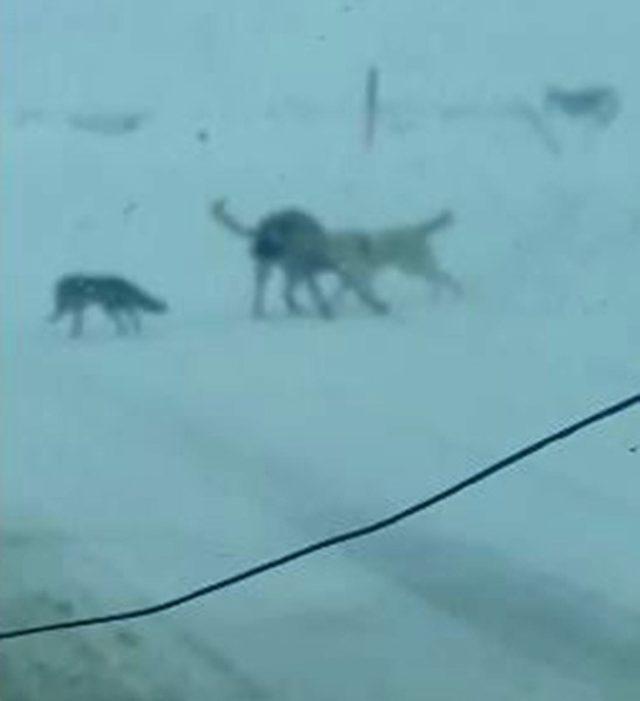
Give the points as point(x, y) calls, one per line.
point(202, 135)
point(601, 104)
point(121, 301)
point(297, 243)
point(404, 248)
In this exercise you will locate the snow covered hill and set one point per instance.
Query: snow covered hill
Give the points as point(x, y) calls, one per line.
point(135, 469)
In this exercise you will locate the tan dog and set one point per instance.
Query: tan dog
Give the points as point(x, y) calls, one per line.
point(403, 248)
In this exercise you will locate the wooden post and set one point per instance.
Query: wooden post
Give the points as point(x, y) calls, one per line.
point(371, 107)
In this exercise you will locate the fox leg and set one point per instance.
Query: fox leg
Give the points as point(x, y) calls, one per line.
point(115, 316)
point(77, 323)
point(134, 317)
point(61, 308)
point(55, 315)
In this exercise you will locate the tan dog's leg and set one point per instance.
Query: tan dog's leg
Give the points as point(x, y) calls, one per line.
point(364, 291)
point(318, 297)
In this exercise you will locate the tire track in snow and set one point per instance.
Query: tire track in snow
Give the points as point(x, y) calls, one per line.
point(56, 579)
point(52, 575)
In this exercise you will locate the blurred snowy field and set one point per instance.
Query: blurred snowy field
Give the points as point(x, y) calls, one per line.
point(134, 469)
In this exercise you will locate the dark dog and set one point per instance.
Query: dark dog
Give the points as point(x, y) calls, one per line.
point(121, 301)
point(297, 243)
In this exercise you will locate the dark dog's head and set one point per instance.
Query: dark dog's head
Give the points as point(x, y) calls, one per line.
point(279, 233)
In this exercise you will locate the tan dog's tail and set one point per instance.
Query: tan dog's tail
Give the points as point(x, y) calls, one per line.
point(445, 218)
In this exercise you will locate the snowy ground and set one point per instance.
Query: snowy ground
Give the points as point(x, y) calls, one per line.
point(137, 469)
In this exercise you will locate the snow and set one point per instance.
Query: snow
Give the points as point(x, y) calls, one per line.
point(136, 469)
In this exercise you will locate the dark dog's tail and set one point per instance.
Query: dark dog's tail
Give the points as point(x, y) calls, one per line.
point(218, 211)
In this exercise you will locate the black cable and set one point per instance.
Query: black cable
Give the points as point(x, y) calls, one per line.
point(341, 537)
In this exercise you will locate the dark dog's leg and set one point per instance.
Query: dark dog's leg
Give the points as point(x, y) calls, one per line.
point(262, 273)
point(291, 283)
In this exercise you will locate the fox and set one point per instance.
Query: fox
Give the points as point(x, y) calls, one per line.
point(297, 243)
point(120, 300)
